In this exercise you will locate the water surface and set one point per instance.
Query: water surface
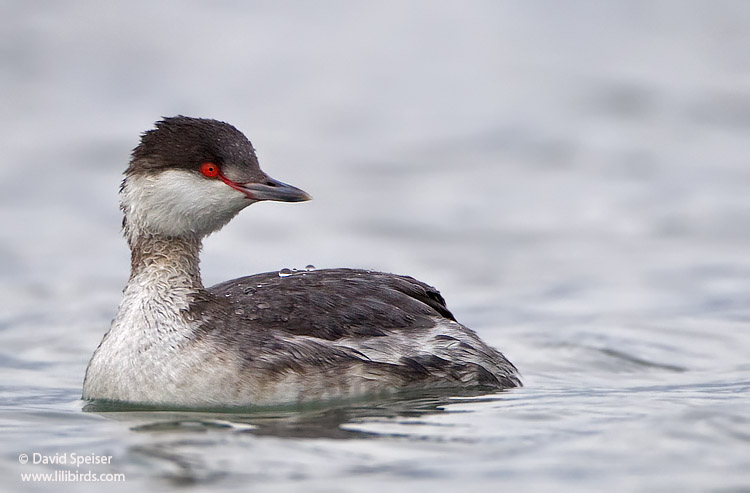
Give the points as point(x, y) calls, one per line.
point(574, 178)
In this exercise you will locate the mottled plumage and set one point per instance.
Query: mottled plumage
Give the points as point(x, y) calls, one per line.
point(267, 338)
point(395, 326)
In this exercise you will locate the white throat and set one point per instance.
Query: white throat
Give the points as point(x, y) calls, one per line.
point(178, 203)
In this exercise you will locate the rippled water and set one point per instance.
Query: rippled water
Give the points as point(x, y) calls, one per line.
point(573, 176)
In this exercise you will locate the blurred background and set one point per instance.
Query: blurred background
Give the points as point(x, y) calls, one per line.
point(573, 176)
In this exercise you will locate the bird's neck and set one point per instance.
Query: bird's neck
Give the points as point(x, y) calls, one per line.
point(167, 262)
point(164, 282)
point(154, 317)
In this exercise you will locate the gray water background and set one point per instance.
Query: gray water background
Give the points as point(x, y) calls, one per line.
point(573, 176)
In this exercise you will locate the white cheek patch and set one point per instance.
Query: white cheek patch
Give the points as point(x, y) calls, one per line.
point(178, 202)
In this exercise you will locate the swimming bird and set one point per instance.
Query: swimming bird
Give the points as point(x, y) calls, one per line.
point(268, 338)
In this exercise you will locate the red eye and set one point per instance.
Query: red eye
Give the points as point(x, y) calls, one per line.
point(210, 170)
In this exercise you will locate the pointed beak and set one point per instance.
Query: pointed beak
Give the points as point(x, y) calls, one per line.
point(274, 190)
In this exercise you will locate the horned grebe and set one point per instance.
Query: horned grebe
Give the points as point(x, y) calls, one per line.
point(267, 338)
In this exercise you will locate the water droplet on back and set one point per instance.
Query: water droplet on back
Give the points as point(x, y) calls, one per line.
point(285, 272)
point(309, 267)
